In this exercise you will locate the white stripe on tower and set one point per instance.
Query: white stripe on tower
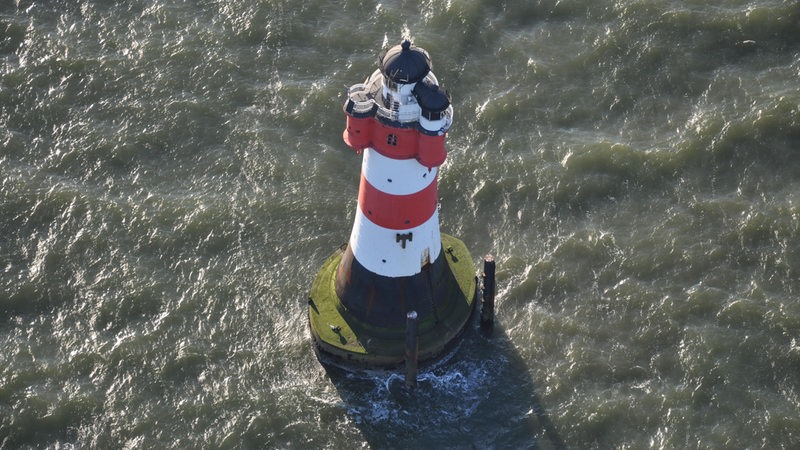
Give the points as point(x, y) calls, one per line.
point(382, 172)
point(396, 228)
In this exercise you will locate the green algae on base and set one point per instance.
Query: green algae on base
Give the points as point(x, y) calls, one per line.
point(345, 340)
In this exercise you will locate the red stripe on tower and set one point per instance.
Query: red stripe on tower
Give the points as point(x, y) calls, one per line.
point(397, 212)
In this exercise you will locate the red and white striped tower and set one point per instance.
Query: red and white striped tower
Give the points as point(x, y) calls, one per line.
point(395, 261)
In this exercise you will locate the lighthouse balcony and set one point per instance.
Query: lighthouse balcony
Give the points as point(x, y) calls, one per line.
point(396, 101)
point(399, 114)
point(391, 102)
point(388, 117)
point(360, 101)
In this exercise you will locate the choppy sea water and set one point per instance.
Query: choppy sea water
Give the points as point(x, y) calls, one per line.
point(173, 176)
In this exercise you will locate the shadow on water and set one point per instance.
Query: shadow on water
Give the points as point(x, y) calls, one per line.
point(480, 395)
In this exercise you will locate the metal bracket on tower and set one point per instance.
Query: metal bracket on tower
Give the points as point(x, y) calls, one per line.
point(402, 238)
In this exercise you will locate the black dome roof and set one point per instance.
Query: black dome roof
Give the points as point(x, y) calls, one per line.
point(431, 98)
point(405, 64)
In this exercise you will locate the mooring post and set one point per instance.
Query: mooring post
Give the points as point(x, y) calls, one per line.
point(487, 302)
point(412, 349)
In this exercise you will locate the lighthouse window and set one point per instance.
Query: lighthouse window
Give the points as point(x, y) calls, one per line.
point(432, 115)
point(391, 139)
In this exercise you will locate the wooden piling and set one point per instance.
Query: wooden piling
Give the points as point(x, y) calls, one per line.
point(487, 302)
point(411, 349)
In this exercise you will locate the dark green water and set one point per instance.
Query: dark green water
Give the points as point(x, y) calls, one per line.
point(173, 176)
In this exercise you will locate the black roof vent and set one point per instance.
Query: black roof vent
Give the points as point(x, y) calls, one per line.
point(405, 64)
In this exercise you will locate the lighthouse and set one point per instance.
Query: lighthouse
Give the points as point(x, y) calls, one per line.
point(397, 264)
